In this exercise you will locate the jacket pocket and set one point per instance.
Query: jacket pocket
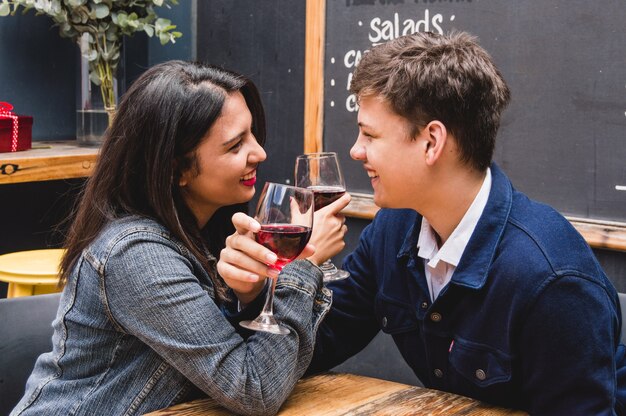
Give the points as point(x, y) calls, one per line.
point(394, 317)
point(479, 363)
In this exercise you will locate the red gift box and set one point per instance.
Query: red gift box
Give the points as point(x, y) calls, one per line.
point(8, 123)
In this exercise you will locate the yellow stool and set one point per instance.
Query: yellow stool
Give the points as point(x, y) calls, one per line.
point(33, 272)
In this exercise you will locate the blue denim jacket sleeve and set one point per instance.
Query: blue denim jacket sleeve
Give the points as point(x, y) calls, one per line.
point(351, 324)
point(233, 311)
point(152, 291)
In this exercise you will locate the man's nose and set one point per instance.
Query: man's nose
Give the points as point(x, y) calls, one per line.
point(357, 152)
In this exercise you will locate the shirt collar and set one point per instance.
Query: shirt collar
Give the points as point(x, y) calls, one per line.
point(454, 246)
point(427, 242)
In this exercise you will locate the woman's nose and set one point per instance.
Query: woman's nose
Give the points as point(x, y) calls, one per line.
point(258, 153)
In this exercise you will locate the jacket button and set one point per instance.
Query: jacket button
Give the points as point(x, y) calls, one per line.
point(424, 305)
point(435, 317)
point(438, 373)
point(480, 374)
point(384, 322)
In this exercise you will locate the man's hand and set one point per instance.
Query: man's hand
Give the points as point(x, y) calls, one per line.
point(329, 230)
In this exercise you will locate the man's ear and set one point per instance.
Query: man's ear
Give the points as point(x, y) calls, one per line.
point(435, 137)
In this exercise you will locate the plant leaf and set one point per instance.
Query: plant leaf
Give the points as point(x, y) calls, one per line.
point(102, 11)
point(104, 22)
point(91, 55)
point(93, 76)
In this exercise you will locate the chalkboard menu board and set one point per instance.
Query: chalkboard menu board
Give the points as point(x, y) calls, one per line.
point(563, 138)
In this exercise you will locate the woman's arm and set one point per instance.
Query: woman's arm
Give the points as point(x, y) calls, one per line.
point(154, 293)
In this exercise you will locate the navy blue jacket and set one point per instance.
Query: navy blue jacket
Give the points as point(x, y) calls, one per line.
point(528, 321)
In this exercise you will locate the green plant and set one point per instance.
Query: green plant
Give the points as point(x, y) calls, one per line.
point(97, 26)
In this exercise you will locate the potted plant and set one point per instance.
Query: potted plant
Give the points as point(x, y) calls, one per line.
point(98, 28)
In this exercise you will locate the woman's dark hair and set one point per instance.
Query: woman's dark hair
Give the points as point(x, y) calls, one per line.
point(159, 123)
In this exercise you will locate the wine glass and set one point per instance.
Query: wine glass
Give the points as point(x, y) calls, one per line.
point(286, 217)
point(320, 172)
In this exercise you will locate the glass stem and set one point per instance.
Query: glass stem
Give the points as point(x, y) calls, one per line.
point(268, 308)
point(328, 267)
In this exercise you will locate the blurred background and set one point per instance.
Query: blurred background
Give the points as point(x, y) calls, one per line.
point(38, 72)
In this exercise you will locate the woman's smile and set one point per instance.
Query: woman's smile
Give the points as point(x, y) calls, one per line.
point(249, 179)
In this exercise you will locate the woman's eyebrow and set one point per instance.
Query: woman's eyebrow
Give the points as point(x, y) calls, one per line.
point(233, 140)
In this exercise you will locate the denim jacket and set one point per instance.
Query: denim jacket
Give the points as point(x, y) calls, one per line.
point(137, 330)
point(529, 319)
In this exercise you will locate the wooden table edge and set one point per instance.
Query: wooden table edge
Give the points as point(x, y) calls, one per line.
point(48, 161)
point(322, 384)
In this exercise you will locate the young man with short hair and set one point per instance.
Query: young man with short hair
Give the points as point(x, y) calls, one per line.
point(486, 293)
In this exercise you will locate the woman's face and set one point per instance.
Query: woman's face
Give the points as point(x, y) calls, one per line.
point(227, 159)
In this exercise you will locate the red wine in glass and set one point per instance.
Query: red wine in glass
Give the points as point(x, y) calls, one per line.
point(324, 195)
point(321, 173)
point(287, 241)
point(286, 217)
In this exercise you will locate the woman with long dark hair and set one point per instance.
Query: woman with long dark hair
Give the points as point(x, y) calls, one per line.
point(141, 322)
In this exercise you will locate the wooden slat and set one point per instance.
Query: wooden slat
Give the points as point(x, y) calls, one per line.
point(601, 234)
point(348, 394)
point(314, 75)
point(361, 206)
point(598, 234)
point(47, 161)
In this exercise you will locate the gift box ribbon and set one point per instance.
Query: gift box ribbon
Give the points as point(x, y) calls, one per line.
point(6, 111)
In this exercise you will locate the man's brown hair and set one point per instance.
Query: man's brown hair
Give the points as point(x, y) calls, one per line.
point(450, 78)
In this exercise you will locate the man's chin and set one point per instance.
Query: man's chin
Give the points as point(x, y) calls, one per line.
point(379, 201)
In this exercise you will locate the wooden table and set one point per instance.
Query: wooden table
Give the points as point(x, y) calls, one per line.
point(47, 161)
point(334, 394)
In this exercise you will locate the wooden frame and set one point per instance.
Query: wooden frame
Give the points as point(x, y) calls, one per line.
point(314, 75)
point(598, 234)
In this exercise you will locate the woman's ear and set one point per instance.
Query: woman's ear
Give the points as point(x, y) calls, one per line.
point(182, 176)
point(435, 136)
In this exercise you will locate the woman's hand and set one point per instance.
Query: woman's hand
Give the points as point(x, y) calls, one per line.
point(329, 230)
point(244, 263)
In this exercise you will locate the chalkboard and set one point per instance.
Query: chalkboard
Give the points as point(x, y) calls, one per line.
point(265, 41)
point(563, 138)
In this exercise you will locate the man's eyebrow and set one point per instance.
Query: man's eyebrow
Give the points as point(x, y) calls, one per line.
point(367, 126)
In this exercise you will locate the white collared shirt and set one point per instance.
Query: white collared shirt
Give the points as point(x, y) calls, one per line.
point(440, 263)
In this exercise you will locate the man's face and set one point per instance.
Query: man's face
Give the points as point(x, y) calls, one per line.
point(393, 160)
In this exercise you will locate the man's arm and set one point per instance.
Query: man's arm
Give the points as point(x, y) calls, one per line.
point(351, 324)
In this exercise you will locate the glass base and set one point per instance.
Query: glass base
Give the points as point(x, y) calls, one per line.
point(332, 273)
point(265, 323)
